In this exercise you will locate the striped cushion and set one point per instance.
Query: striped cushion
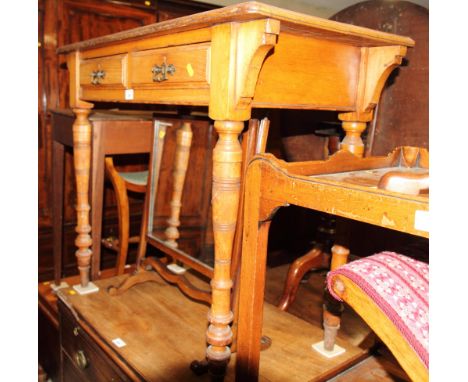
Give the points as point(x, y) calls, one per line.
point(399, 286)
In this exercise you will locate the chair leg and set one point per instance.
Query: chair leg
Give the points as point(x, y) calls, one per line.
point(123, 214)
point(314, 259)
point(143, 242)
point(317, 258)
point(333, 308)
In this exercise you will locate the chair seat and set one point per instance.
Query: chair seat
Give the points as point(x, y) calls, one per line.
point(399, 286)
point(139, 178)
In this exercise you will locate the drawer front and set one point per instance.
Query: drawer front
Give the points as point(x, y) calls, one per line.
point(85, 355)
point(171, 67)
point(104, 72)
point(69, 372)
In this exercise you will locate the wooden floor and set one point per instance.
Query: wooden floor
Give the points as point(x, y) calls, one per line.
point(288, 332)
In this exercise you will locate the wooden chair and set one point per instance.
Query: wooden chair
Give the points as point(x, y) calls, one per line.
point(136, 181)
point(344, 185)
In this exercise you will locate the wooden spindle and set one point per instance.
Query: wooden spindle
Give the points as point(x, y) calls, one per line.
point(353, 141)
point(227, 160)
point(82, 158)
point(184, 141)
point(332, 308)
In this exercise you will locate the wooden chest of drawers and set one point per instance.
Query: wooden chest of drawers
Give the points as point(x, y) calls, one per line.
point(152, 333)
point(81, 357)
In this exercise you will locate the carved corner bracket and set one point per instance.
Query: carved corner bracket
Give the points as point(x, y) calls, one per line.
point(238, 51)
point(376, 65)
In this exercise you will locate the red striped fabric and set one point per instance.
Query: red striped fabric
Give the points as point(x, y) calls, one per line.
point(399, 285)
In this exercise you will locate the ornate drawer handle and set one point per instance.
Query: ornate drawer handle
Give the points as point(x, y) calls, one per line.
point(81, 360)
point(160, 72)
point(97, 76)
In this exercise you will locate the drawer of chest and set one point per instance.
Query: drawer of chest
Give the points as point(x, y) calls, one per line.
point(170, 67)
point(69, 371)
point(104, 71)
point(84, 354)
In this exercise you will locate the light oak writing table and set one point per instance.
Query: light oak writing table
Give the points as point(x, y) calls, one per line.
point(231, 59)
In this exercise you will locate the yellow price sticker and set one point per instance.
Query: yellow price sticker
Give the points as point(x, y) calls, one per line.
point(190, 70)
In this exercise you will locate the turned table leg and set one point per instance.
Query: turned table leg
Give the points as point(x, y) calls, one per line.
point(82, 158)
point(227, 160)
point(354, 124)
point(184, 141)
point(353, 141)
point(332, 307)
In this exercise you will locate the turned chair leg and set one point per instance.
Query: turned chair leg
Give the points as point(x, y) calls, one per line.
point(333, 308)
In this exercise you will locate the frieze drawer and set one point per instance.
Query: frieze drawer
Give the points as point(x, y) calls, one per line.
point(104, 72)
point(183, 66)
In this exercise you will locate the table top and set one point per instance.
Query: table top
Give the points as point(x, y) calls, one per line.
point(252, 10)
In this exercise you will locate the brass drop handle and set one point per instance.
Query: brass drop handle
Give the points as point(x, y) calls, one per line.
point(97, 76)
point(160, 72)
point(81, 359)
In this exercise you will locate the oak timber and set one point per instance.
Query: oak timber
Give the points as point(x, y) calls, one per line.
point(160, 347)
point(241, 39)
point(252, 11)
point(307, 306)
